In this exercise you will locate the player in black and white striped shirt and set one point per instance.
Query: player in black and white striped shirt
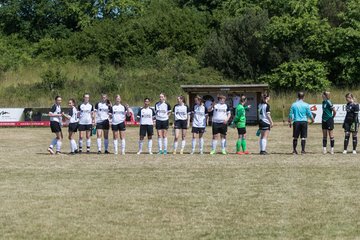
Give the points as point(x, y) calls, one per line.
point(118, 116)
point(146, 115)
point(102, 110)
point(182, 122)
point(55, 115)
point(86, 122)
point(73, 119)
point(221, 116)
point(200, 115)
point(162, 111)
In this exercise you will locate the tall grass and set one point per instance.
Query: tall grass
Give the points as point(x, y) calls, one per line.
point(23, 87)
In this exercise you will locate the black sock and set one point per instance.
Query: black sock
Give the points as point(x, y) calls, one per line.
point(346, 142)
point(295, 143)
point(332, 142)
point(303, 142)
point(354, 142)
point(324, 142)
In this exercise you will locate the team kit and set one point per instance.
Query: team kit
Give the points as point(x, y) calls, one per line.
point(105, 116)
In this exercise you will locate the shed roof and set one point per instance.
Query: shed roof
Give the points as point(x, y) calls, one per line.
point(229, 88)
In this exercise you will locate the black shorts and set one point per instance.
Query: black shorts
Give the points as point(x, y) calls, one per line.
point(197, 130)
point(55, 127)
point(146, 130)
point(181, 124)
point(241, 131)
point(103, 125)
point(86, 127)
point(162, 125)
point(219, 128)
point(300, 129)
point(264, 126)
point(118, 127)
point(351, 127)
point(328, 125)
point(73, 127)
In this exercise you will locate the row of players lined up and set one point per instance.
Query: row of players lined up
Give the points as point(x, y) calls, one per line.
point(104, 114)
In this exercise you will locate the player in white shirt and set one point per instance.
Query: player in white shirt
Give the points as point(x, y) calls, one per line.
point(55, 115)
point(265, 123)
point(146, 115)
point(73, 119)
point(86, 122)
point(118, 116)
point(221, 116)
point(102, 111)
point(182, 122)
point(200, 114)
point(162, 111)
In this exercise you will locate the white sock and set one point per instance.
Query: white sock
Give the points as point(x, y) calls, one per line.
point(223, 144)
point(123, 144)
point(264, 142)
point(165, 143)
point(73, 146)
point(175, 145)
point(214, 143)
point(150, 145)
point(106, 144)
point(53, 143)
point(141, 143)
point(98, 140)
point(193, 144)
point(88, 143)
point(261, 144)
point(201, 144)
point(160, 144)
point(80, 143)
point(58, 145)
point(116, 145)
point(183, 144)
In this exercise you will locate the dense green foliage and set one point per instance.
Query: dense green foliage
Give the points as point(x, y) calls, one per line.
point(151, 46)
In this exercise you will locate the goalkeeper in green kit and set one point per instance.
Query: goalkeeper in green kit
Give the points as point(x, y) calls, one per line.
point(240, 122)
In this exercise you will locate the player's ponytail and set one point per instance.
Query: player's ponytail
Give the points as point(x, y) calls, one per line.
point(264, 98)
point(326, 94)
point(350, 95)
point(201, 100)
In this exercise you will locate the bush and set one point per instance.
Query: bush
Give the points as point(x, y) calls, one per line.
point(53, 80)
point(305, 74)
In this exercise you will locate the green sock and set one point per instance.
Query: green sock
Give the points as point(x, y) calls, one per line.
point(243, 144)
point(238, 145)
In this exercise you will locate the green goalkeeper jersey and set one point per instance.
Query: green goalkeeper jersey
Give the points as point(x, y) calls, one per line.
point(240, 116)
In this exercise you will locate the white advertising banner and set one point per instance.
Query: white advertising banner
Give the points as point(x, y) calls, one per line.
point(316, 110)
point(11, 114)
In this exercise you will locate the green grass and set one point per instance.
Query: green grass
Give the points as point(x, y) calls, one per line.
point(279, 196)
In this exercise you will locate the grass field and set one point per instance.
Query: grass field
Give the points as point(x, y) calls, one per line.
point(279, 196)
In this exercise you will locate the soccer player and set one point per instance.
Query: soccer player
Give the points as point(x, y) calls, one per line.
point(328, 115)
point(266, 122)
point(118, 114)
point(147, 117)
point(200, 115)
point(55, 115)
point(221, 116)
point(72, 116)
point(86, 122)
point(240, 122)
point(351, 122)
point(298, 116)
point(163, 111)
point(182, 121)
point(102, 110)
